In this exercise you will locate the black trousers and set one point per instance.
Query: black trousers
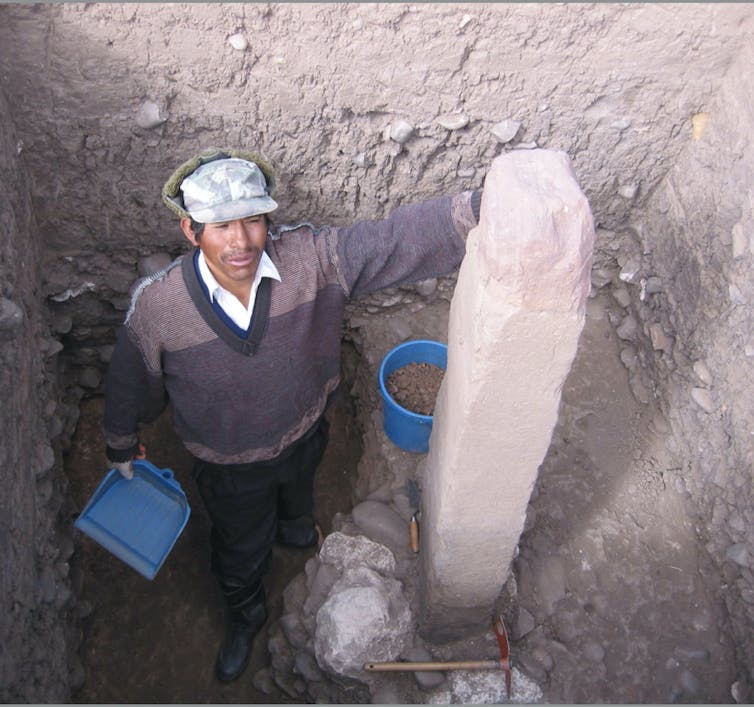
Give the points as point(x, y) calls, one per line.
point(245, 501)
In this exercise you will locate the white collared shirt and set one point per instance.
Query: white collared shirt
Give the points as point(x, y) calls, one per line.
point(229, 303)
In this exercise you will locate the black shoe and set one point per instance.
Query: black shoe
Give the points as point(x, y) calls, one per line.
point(299, 533)
point(236, 648)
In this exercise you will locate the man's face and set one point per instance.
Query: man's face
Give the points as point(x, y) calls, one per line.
point(232, 249)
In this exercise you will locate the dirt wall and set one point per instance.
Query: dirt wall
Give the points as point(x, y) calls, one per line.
point(362, 106)
point(35, 586)
point(695, 240)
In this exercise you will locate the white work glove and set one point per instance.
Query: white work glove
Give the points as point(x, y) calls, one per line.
point(126, 469)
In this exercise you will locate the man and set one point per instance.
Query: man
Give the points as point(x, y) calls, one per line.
point(243, 337)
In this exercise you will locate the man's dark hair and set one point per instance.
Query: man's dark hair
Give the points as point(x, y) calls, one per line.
point(198, 228)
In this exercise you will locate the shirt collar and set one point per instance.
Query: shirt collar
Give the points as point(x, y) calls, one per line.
point(266, 268)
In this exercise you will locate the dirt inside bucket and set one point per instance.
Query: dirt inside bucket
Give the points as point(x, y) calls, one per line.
point(415, 386)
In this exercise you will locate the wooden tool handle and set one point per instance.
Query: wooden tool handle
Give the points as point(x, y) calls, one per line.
point(413, 533)
point(406, 666)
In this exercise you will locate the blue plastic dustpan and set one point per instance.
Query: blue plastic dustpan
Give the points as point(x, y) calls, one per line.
point(138, 520)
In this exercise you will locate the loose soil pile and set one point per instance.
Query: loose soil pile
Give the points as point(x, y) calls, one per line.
point(415, 386)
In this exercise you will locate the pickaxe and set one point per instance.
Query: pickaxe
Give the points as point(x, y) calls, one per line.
point(503, 663)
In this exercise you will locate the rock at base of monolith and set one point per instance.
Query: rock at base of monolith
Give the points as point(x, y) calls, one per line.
point(366, 618)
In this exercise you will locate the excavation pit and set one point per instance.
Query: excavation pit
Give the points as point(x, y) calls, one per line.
point(638, 536)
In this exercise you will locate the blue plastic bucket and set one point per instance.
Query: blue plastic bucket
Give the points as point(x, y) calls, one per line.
point(408, 430)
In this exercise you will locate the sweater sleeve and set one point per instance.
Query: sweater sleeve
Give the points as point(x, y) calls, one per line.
point(415, 242)
point(133, 395)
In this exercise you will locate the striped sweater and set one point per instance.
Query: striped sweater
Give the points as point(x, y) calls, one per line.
point(237, 400)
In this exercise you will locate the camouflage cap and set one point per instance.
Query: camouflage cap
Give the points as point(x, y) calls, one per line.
point(226, 189)
point(172, 193)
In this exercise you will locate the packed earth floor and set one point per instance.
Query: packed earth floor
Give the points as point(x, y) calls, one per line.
point(614, 600)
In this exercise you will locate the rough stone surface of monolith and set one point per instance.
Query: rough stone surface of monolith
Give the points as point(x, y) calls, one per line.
point(515, 320)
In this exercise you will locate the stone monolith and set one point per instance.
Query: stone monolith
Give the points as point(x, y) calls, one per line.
point(515, 320)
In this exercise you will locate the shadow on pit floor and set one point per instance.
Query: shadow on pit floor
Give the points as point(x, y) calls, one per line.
point(156, 641)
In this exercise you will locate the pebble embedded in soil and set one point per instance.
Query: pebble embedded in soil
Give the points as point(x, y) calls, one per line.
point(739, 554)
point(453, 122)
point(238, 42)
point(505, 130)
point(11, 315)
point(702, 397)
point(150, 116)
point(628, 328)
point(740, 241)
point(594, 651)
point(628, 191)
point(401, 131)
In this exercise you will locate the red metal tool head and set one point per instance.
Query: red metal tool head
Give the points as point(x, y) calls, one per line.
point(498, 626)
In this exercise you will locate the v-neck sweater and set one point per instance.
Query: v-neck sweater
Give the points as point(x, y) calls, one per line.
point(243, 399)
